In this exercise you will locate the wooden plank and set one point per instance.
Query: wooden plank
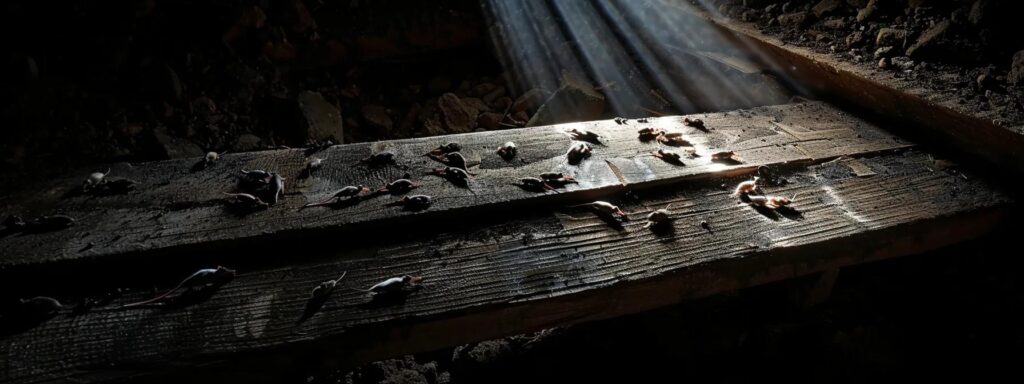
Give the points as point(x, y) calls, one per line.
point(176, 211)
point(509, 277)
point(935, 117)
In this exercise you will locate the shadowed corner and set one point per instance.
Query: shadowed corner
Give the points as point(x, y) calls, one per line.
point(202, 164)
point(15, 323)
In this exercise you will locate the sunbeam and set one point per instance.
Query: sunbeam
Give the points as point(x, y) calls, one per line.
point(646, 57)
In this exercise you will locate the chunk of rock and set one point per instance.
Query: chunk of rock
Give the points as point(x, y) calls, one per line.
point(529, 101)
point(855, 39)
point(489, 120)
point(475, 106)
point(978, 12)
point(377, 117)
point(323, 121)
point(454, 114)
point(794, 19)
point(834, 24)
point(494, 95)
point(483, 89)
point(1016, 75)
point(866, 12)
point(575, 100)
point(174, 147)
point(928, 37)
point(246, 142)
point(890, 37)
point(825, 7)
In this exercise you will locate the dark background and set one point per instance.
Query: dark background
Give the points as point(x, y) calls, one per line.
point(95, 81)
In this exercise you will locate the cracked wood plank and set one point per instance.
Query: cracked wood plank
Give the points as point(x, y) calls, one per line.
point(176, 211)
point(506, 277)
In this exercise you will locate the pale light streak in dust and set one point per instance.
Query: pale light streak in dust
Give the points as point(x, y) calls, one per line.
point(645, 55)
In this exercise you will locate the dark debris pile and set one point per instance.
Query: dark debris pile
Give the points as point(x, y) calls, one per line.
point(99, 81)
point(968, 48)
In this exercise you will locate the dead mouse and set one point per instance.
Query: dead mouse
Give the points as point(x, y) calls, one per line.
point(399, 186)
point(454, 159)
point(669, 157)
point(577, 153)
point(201, 279)
point(584, 135)
point(507, 151)
point(346, 193)
point(602, 207)
point(445, 148)
point(649, 133)
point(246, 202)
point(674, 139)
point(379, 159)
point(412, 203)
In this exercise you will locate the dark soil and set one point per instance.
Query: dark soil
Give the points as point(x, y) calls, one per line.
point(89, 82)
point(970, 49)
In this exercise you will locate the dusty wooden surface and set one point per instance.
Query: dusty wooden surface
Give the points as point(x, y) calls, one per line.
point(936, 116)
point(176, 211)
point(537, 270)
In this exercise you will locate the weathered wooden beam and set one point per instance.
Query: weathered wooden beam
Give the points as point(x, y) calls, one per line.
point(512, 277)
point(935, 116)
point(176, 211)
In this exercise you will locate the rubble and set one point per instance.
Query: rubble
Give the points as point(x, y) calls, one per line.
point(246, 142)
point(978, 11)
point(888, 37)
point(172, 147)
point(794, 19)
point(489, 120)
point(928, 37)
point(529, 101)
point(323, 121)
point(1016, 75)
point(377, 117)
point(937, 45)
point(456, 116)
point(826, 7)
point(575, 100)
point(866, 11)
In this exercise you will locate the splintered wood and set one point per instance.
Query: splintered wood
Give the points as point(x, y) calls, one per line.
point(542, 264)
